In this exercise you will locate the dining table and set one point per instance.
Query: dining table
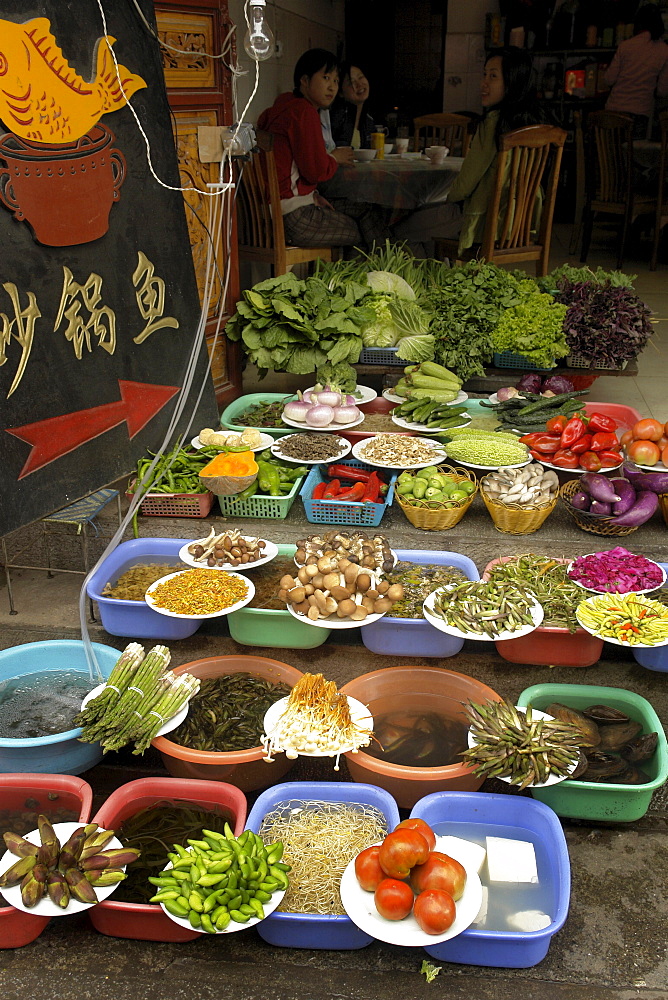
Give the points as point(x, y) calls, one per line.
point(402, 184)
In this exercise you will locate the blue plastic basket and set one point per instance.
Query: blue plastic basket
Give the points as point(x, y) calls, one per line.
point(515, 817)
point(416, 636)
point(380, 356)
point(341, 511)
point(653, 659)
point(316, 930)
point(506, 359)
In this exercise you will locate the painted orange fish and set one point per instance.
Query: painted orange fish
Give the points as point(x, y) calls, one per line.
point(42, 98)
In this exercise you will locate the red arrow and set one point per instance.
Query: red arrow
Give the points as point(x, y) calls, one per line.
point(57, 436)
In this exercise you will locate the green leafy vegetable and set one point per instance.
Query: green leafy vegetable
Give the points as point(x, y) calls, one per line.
point(409, 318)
point(381, 330)
point(617, 279)
point(419, 347)
point(340, 377)
point(533, 328)
point(429, 971)
point(386, 281)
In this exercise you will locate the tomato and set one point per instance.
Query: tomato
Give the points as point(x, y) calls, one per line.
point(402, 850)
point(665, 427)
point(393, 899)
point(626, 438)
point(664, 456)
point(419, 824)
point(662, 442)
point(647, 430)
point(435, 911)
point(440, 871)
point(643, 452)
point(367, 869)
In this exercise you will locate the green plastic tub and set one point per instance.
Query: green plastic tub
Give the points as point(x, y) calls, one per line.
point(597, 800)
point(237, 406)
point(259, 627)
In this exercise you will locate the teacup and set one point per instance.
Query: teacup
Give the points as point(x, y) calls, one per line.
point(401, 145)
point(437, 153)
point(389, 146)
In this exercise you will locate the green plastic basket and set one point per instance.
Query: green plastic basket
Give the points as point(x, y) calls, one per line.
point(237, 406)
point(266, 627)
point(597, 800)
point(260, 506)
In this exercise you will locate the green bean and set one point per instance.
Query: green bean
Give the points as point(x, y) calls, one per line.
point(547, 579)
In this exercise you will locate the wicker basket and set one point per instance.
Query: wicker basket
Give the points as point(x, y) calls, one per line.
point(591, 522)
point(430, 517)
point(515, 518)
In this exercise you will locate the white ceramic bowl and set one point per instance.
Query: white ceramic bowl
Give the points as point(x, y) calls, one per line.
point(364, 154)
point(389, 146)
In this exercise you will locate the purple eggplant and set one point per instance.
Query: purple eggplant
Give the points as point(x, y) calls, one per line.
point(601, 508)
point(599, 487)
point(632, 472)
point(627, 494)
point(645, 505)
point(656, 482)
point(581, 500)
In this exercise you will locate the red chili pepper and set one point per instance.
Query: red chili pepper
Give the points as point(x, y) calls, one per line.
point(609, 459)
point(565, 459)
point(547, 443)
point(355, 493)
point(603, 441)
point(319, 491)
point(573, 430)
point(332, 490)
point(599, 422)
point(590, 461)
point(556, 425)
point(349, 472)
point(582, 444)
point(372, 491)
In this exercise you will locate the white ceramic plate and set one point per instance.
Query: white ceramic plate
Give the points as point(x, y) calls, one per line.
point(45, 907)
point(659, 467)
point(359, 713)
point(578, 468)
point(461, 397)
point(615, 642)
point(537, 614)
point(276, 450)
point(423, 429)
point(595, 590)
point(553, 779)
point(330, 429)
point(265, 441)
point(412, 156)
point(333, 622)
point(493, 468)
point(438, 456)
point(214, 614)
point(361, 909)
point(170, 724)
point(366, 394)
point(233, 926)
point(270, 552)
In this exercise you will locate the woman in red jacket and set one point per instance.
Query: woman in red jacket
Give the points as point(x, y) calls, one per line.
point(302, 161)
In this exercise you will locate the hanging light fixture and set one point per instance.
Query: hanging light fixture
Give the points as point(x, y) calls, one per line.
point(259, 39)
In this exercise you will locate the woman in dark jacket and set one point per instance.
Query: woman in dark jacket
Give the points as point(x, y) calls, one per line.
point(351, 125)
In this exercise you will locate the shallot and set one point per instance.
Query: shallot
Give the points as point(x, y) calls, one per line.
point(319, 415)
point(296, 410)
point(345, 414)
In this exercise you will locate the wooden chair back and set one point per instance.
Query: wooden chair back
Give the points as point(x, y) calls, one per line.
point(259, 217)
point(661, 219)
point(445, 129)
point(609, 159)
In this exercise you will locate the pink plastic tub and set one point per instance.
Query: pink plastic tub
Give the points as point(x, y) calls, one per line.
point(146, 921)
point(49, 794)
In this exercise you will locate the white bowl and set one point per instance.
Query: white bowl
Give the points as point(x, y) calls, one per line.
point(364, 154)
point(389, 146)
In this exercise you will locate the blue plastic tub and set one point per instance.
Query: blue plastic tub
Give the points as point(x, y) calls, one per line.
point(653, 659)
point(340, 511)
point(515, 817)
point(62, 753)
point(314, 930)
point(416, 636)
point(135, 619)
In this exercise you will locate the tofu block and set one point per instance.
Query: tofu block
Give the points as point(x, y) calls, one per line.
point(511, 860)
point(482, 912)
point(529, 920)
point(468, 854)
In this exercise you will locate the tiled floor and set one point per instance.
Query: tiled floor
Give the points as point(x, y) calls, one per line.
point(648, 391)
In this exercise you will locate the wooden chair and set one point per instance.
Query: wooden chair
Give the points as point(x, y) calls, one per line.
point(444, 129)
point(661, 218)
point(259, 217)
point(521, 164)
point(609, 176)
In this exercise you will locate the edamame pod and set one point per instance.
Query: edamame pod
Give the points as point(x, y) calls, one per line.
point(239, 917)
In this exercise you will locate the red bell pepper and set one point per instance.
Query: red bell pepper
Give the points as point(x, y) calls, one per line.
point(573, 430)
point(582, 444)
point(548, 444)
point(354, 494)
point(609, 459)
point(531, 440)
point(539, 457)
point(565, 459)
point(599, 422)
point(332, 490)
point(372, 491)
point(556, 425)
point(319, 491)
point(591, 462)
point(603, 441)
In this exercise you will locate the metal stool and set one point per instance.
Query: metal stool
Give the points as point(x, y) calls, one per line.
point(82, 513)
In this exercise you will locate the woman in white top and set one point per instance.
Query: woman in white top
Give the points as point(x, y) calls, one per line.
point(638, 69)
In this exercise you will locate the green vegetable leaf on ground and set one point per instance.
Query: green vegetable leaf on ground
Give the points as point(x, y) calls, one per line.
point(429, 971)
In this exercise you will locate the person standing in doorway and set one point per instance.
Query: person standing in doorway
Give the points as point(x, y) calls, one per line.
point(639, 69)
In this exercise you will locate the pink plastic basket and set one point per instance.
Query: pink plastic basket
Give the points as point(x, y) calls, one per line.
point(175, 504)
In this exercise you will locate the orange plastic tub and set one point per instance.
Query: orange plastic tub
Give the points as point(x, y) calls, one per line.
point(146, 921)
point(244, 768)
point(49, 794)
point(409, 689)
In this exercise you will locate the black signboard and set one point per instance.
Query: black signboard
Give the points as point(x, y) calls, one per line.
point(98, 302)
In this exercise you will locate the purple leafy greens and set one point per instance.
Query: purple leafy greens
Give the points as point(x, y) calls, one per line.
point(616, 571)
point(605, 324)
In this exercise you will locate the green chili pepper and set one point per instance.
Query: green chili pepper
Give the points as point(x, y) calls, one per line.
point(268, 478)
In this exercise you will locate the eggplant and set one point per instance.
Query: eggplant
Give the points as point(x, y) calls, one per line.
point(582, 500)
point(627, 493)
point(656, 482)
point(645, 505)
point(600, 507)
point(599, 487)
